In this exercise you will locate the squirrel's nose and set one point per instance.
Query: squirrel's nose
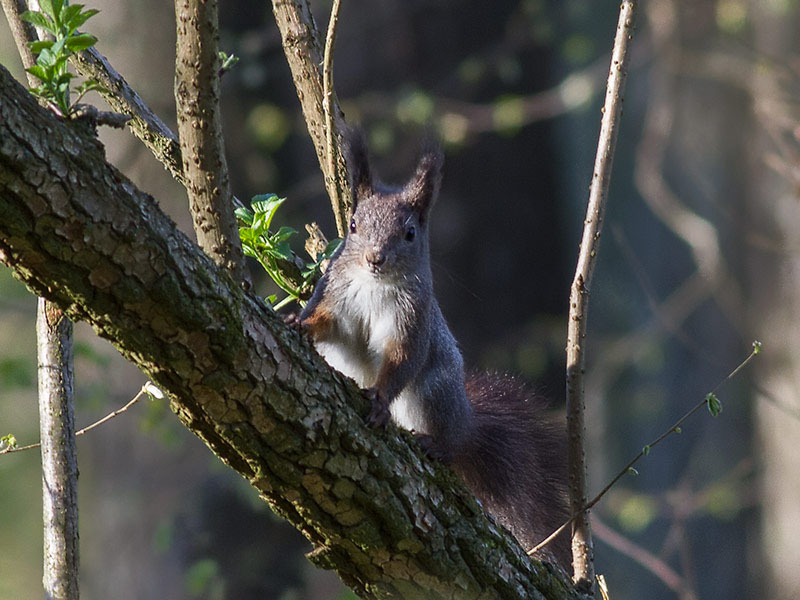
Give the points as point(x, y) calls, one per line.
point(375, 257)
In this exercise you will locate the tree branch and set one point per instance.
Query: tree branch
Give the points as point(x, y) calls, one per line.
point(301, 45)
point(144, 123)
point(387, 520)
point(582, 552)
point(59, 457)
point(200, 132)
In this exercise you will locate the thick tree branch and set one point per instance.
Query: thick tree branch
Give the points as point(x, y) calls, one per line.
point(582, 551)
point(200, 132)
point(303, 52)
point(387, 520)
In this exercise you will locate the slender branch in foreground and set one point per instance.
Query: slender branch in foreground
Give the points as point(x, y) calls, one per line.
point(582, 553)
point(710, 400)
point(327, 94)
point(148, 388)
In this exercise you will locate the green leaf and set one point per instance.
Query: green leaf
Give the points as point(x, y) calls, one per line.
point(332, 247)
point(271, 299)
point(82, 18)
point(713, 403)
point(58, 10)
point(9, 441)
point(282, 250)
point(261, 200)
point(46, 6)
point(757, 347)
point(283, 234)
point(46, 58)
point(267, 205)
point(678, 430)
point(37, 19)
point(37, 71)
point(90, 85)
point(244, 214)
point(38, 46)
point(646, 450)
point(70, 12)
point(632, 471)
point(79, 42)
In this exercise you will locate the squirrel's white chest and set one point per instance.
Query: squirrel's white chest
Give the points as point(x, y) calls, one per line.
point(368, 319)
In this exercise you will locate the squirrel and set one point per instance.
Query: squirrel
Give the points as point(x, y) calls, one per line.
point(373, 316)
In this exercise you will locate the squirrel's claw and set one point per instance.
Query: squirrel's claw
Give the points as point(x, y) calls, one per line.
point(293, 320)
point(379, 415)
point(431, 448)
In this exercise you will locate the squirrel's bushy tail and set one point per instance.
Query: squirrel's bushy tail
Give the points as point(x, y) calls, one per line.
point(515, 462)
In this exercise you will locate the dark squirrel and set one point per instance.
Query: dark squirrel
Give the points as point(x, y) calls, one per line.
point(373, 316)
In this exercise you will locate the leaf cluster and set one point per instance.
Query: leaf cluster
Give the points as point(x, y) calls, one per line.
point(61, 20)
point(271, 248)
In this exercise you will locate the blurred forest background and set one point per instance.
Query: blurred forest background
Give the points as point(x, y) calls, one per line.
point(700, 257)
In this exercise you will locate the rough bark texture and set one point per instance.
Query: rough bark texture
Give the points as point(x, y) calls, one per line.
point(388, 521)
point(301, 44)
point(197, 67)
point(59, 458)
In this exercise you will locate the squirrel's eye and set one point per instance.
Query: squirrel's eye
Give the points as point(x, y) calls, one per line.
point(410, 233)
point(352, 225)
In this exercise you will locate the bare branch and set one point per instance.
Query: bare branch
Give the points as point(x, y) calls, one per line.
point(23, 32)
point(145, 124)
point(108, 417)
point(303, 52)
point(644, 557)
point(200, 132)
point(628, 468)
point(582, 553)
point(327, 91)
point(59, 457)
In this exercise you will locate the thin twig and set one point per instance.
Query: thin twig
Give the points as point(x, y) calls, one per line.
point(582, 554)
point(644, 557)
point(675, 428)
point(327, 104)
point(108, 417)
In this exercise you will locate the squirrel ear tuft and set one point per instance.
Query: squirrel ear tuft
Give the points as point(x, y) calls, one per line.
point(422, 189)
point(355, 152)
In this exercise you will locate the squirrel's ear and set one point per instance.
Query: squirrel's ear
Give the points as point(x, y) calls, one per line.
point(423, 188)
point(355, 152)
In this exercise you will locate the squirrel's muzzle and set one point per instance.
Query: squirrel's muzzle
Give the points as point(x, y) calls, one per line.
point(375, 258)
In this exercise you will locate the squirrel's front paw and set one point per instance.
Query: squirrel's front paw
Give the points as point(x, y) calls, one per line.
point(431, 448)
point(293, 320)
point(379, 415)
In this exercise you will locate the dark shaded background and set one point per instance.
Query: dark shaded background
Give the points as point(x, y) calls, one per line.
point(699, 258)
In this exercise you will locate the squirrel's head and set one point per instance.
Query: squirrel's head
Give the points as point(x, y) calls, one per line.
point(388, 233)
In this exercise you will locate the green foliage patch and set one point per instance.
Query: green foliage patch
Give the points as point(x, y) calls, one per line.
point(61, 20)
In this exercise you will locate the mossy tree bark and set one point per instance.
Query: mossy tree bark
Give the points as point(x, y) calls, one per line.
point(77, 232)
